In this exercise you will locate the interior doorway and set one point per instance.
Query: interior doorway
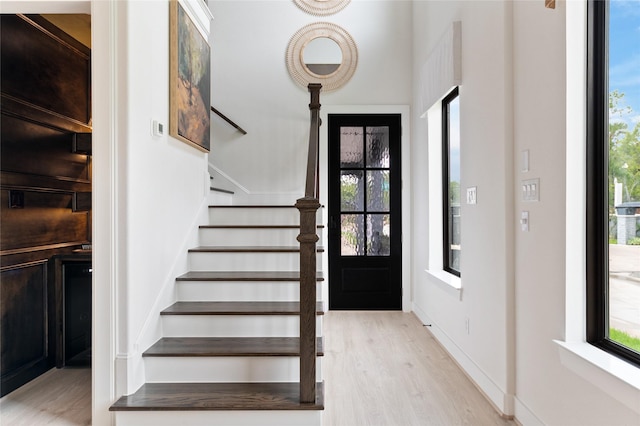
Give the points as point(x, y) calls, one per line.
point(365, 211)
point(61, 189)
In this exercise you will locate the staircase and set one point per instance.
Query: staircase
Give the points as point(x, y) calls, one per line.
point(230, 351)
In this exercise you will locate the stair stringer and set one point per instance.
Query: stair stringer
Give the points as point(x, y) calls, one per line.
point(130, 368)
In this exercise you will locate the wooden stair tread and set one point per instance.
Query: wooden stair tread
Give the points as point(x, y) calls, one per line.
point(227, 346)
point(248, 249)
point(253, 226)
point(225, 191)
point(244, 276)
point(217, 396)
point(252, 206)
point(237, 308)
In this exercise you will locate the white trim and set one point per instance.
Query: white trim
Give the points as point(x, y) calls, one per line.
point(179, 267)
point(614, 376)
point(524, 416)
point(200, 15)
point(229, 178)
point(405, 153)
point(447, 281)
point(104, 27)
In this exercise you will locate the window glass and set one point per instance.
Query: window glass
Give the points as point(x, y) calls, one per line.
point(624, 173)
point(365, 188)
point(451, 179)
point(613, 178)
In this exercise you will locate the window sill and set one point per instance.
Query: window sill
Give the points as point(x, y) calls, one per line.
point(448, 282)
point(614, 376)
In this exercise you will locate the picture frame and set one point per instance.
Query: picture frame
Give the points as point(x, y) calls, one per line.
point(189, 80)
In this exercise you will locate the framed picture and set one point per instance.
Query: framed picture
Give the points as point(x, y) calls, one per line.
point(189, 79)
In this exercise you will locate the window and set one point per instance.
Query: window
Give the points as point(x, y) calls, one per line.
point(451, 182)
point(613, 179)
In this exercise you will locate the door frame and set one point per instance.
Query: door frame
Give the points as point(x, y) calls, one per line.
point(405, 153)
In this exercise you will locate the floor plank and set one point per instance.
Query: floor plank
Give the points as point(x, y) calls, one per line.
point(60, 397)
point(384, 368)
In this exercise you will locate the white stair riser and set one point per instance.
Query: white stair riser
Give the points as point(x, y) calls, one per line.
point(250, 236)
point(241, 291)
point(233, 325)
point(254, 216)
point(220, 198)
point(226, 418)
point(226, 261)
point(225, 369)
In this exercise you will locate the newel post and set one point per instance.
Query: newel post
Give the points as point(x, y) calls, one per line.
point(308, 238)
point(308, 207)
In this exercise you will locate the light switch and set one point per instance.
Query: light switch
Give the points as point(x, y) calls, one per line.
point(157, 128)
point(472, 195)
point(524, 221)
point(531, 190)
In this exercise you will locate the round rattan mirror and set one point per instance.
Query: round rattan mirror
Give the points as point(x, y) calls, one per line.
point(323, 53)
point(322, 7)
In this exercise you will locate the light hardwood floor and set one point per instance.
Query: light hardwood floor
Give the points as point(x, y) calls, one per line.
point(58, 397)
point(385, 368)
point(380, 368)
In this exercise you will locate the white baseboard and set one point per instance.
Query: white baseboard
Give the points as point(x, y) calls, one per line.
point(496, 396)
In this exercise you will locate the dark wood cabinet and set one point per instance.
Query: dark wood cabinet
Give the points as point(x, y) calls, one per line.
point(72, 284)
point(26, 306)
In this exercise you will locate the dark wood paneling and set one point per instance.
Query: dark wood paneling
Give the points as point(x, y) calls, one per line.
point(29, 147)
point(12, 180)
point(46, 219)
point(43, 67)
point(24, 306)
point(45, 99)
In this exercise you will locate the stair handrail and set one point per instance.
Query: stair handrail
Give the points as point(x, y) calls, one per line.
point(228, 120)
point(308, 207)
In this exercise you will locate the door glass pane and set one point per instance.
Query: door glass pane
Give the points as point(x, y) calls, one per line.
point(378, 190)
point(352, 232)
point(351, 190)
point(351, 147)
point(378, 147)
point(378, 234)
point(624, 178)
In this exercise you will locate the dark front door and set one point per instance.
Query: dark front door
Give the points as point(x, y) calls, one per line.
point(365, 230)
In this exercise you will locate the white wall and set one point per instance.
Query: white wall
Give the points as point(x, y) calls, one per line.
point(513, 97)
point(542, 127)
point(251, 85)
point(163, 184)
point(485, 164)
